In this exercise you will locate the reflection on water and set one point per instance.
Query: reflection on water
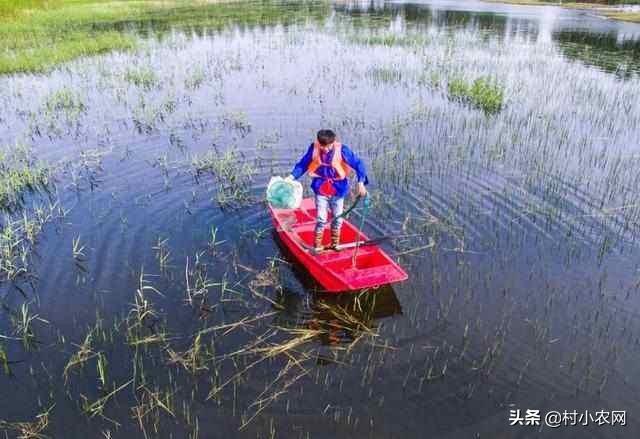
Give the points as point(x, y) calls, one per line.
point(608, 52)
point(339, 318)
point(612, 46)
point(523, 261)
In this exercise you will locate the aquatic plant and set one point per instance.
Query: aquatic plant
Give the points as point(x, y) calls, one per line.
point(20, 173)
point(64, 101)
point(237, 120)
point(143, 323)
point(12, 253)
point(23, 324)
point(233, 175)
point(29, 430)
point(84, 353)
point(268, 140)
point(162, 252)
point(101, 367)
point(78, 250)
point(96, 408)
point(4, 360)
point(195, 78)
point(154, 404)
point(198, 282)
point(213, 240)
point(193, 360)
point(143, 77)
point(483, 93)
point(18, 236)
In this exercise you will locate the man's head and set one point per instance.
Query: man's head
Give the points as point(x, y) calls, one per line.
point(326, 137)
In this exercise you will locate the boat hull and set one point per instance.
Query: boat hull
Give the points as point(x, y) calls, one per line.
point(335, 271)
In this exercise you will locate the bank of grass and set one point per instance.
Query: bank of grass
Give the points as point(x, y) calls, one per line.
point(633, 17)
point(608, 9)
point(37, 35)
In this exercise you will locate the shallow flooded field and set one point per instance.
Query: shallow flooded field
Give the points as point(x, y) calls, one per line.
point(145, 295)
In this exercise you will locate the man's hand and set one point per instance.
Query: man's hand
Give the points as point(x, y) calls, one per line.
point(362, 190)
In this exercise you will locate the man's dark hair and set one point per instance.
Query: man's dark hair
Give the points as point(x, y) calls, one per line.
point(326, 137)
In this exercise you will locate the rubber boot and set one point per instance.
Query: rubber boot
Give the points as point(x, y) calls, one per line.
point(317, 242)
point(335, 239)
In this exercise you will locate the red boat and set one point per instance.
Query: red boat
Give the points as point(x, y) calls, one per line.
point(334, 270)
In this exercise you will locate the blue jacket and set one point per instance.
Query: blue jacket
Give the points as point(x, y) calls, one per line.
point(341, 186)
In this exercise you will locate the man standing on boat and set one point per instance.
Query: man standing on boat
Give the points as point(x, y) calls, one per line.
point(329, 163)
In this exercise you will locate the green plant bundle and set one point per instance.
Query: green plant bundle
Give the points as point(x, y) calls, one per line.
point(483, 93)
point(19, 173)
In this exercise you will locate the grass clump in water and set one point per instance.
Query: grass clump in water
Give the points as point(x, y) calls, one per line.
point(29, 430)
point(482, 93)
point(143, 77)
point(238, 121)
point(4, 361)
point(65, 101)
point(22, 222)
point(233, 176)
point(19, 174)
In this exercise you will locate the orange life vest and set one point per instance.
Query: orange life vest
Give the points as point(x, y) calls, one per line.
point(337, 162)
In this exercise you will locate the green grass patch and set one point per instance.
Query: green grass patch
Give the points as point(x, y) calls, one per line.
point(633, 17)
point(37, 35)
point(40, 58)
point(483, 93)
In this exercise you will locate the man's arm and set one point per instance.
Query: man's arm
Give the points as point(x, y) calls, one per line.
point(356, 164)
point(303, 164)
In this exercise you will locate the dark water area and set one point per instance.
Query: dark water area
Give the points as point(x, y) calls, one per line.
point(165, 307)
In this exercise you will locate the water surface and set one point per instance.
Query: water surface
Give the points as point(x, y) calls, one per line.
point(523, 289)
